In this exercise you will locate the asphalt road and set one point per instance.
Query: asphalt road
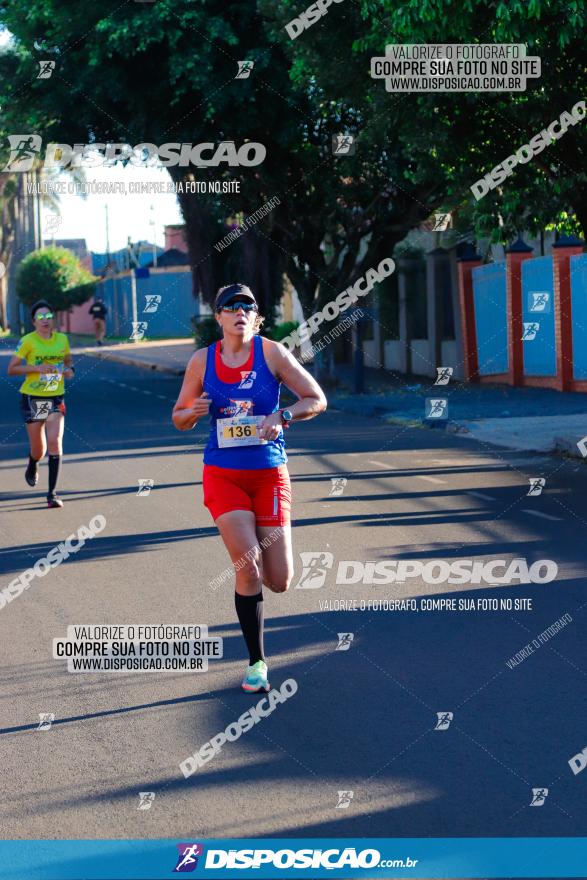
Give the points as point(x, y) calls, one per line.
point(363, 719)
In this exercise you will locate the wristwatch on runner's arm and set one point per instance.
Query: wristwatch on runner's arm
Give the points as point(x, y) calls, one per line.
point(286, 417)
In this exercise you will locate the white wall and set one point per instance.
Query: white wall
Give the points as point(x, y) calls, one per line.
point(421, 365)
point(392, 354)
point(371, 354)
point(448, 356)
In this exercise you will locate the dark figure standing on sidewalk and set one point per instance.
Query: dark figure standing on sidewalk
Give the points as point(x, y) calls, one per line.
point(98, 311)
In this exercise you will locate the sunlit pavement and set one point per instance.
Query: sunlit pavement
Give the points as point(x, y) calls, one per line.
point(411, 495)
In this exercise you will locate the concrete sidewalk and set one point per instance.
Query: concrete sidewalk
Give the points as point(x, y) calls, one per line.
point(523, 419)
point(532, 433)
point(167, 356)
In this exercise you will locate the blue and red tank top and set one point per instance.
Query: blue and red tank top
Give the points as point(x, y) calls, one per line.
point(250, 389)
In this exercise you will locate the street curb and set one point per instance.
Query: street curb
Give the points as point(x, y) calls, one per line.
point(372, 411)
point(568, 447)
point(121, 359)
point(401, 421)
point(561, 445)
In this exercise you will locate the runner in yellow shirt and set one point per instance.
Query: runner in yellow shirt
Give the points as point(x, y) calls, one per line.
point(44, 359)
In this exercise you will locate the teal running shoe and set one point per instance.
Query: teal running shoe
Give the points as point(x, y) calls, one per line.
point(256, 678)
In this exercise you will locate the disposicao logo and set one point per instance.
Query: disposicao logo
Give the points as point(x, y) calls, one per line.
point(187, 859)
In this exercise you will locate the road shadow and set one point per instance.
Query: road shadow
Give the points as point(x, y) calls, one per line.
point(413, 771)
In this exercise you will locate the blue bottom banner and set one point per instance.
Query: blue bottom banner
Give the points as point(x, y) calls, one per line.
point(552, 857)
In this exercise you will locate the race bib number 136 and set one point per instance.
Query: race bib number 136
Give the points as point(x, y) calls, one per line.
point(239, 431)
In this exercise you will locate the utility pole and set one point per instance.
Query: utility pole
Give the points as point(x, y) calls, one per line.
point(107, 237)
point(27, 238)
point(133, 291)
point(38, 227)
point(152, 223)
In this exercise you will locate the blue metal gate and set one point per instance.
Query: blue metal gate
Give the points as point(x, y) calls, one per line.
point(578, 265)
point(490, 299)
point(539, 347)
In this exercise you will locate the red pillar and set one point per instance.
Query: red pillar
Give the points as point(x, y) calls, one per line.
point(465, 267)
point(562, 251)
point(515, 256)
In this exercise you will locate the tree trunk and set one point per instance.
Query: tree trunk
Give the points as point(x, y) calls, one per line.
point(198, 222)
point(260, 264)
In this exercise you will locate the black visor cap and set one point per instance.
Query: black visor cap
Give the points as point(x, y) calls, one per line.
point(232, 294)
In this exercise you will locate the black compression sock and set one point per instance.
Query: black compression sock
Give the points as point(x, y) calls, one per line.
point(249, 610)
point(54, 462)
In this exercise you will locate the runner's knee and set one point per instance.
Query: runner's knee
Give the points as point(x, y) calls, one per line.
point(248, 569)
point(278, 584)
point(38, 449)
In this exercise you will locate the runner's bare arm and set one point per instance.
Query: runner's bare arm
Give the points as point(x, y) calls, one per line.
point(19, 367)
point(284, 366)
point(192, 404)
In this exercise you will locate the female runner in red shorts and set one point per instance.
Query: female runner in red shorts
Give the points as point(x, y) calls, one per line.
point(246, 483)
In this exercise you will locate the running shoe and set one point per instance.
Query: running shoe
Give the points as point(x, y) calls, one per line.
point(256, 678)
point(54, 501)
point(31, 475)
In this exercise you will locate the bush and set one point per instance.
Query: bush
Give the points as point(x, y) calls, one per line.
point(280, 331)
point(206, 332)
point(54, 274)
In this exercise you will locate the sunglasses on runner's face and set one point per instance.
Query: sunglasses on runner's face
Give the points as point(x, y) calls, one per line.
point(46, 317)
point(245, 306)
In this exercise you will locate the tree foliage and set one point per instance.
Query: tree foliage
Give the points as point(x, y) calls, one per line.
point(471, 133)
point(54, 274)
point(162, 72)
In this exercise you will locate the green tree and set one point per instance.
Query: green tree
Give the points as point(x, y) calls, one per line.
point(193, 97)
point(470, 133)
point(54, 274)
point(337, 215)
